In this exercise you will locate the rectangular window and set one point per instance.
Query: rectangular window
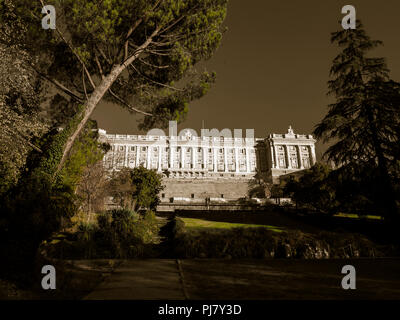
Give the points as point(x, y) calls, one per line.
point(132, 148)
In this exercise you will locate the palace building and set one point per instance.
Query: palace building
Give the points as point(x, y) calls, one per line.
point(210, 166)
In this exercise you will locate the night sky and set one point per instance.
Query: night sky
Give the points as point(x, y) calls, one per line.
point(273, 66)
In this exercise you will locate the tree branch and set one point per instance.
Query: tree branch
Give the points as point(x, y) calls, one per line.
point(74, 52)
point(128, 105)
point(58, 85)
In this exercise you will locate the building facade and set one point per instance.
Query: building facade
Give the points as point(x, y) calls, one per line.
point(211, 157)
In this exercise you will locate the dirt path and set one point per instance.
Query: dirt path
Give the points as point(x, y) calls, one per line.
point(142, 279)
point(249, 279)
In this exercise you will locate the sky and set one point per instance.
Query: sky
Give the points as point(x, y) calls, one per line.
point(273, 66)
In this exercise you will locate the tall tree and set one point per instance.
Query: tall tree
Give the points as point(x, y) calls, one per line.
point(20, 124)
point(139, 54)
point(364, 120)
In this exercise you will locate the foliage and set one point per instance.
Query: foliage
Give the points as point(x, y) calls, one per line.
point(20, 125)
point(148, 186)
point(239, 243)
point(138, 50)
point(136, 188)
point(118, 234)
point(86, 152)
point(313, 189)
point(364, 122)
point(259, 186)
point(121, 188)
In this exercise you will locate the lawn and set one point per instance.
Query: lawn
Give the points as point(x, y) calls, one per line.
point(356, 216)
point(192, 223)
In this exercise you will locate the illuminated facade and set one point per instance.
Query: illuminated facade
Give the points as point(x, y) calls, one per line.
point(188, 156)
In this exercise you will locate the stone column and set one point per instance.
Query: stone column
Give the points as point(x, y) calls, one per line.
point(148, 157)
point(287, 156)
point(182, 158)
point(137, 155)
point(225, 159)
point(215, 159)
point(205, 158)
point(300, 160)
point(159, 158)
point(247, 159)
point(276, 157)
point(194, 157)
point(126, 155)
point(313, 158)
point(171, 157)
point(236, 159)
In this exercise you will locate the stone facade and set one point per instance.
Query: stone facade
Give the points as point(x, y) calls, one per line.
point(208, 157)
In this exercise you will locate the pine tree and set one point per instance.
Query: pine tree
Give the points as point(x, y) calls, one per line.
point(139, 54)
point(363, 123)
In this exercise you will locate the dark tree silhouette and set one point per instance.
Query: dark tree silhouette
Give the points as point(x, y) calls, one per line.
point(364, 121)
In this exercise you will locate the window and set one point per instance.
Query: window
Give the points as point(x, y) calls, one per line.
point(192, 195)
point(143, 148)
point(209, 150)
point(222, 195)
point(231, 150)
point(155, 149)
point(221, 150)
point(121, 148)
point(198, 149)
point(132, 148)
point(163, 195)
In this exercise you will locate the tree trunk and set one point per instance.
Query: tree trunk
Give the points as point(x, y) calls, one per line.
point(89, 107)
point(99, 92)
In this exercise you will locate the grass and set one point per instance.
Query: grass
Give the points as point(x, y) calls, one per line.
point(356, 216)
point(191, 223)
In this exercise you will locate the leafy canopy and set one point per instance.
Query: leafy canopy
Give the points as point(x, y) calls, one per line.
point(158, 41)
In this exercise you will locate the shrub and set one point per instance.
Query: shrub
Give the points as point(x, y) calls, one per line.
point(119, 233)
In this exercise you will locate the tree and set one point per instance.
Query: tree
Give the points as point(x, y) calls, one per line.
point(139, 54)
point(121, 188)
point(86, 153)
point(259, 187)
point(92, 188)
point(20, 125)
point(147, 188)
point(313, 189)
point(364, 120)
point(136, 188)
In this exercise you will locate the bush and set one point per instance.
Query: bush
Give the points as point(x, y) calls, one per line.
point(263, 243)
point(119, 233)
